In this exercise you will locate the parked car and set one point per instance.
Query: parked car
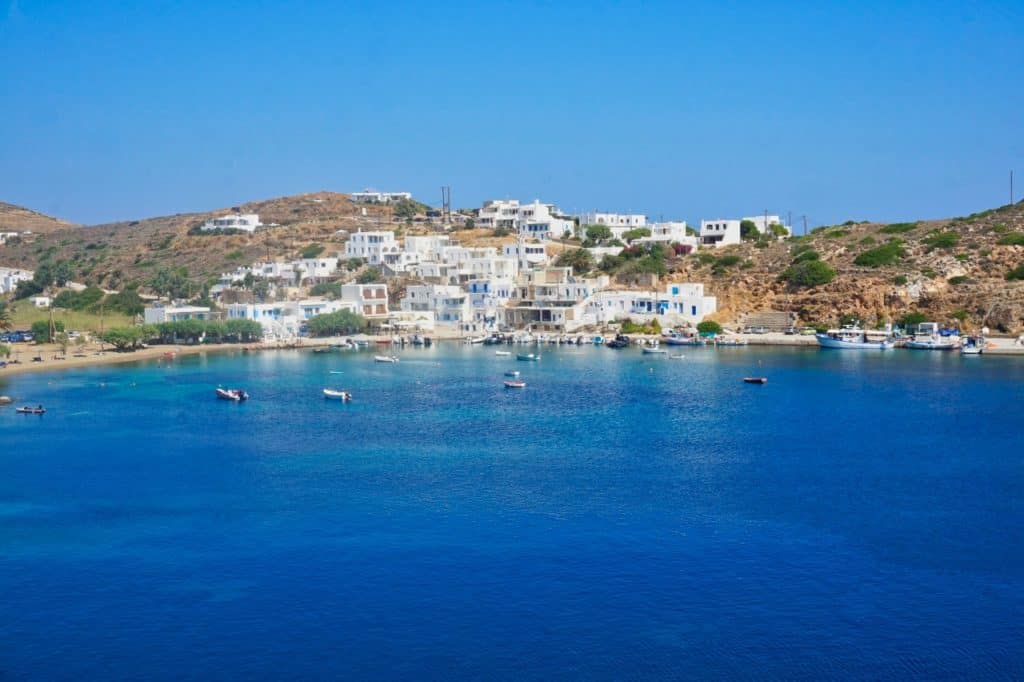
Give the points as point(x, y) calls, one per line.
point(756, 330)
point(808, 331)
point(790, 331)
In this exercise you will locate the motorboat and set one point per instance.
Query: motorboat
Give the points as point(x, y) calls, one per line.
point(27, 409)
point(234, 394)
point(343, 396)
point(730, 342)
point(512, 373)
point(385, 358)
point(653, 350)
point(755, 380)
point(515, 383)
point(854, 338)
point(972, 345)
point(929, 337)
point(620, 341)
point(474, 339)
point(528, 357)
point(502, 352)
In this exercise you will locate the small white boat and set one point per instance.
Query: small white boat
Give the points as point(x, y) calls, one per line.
point(235, 394)
point(653, 350)
point(475, 339)
point(928, 337)
point(515, 383)
point(529, 357)
point(678, 356)
point(512, 373)
point(502, 352)
point(343, 396)
point(972, 345)
point(385, 358)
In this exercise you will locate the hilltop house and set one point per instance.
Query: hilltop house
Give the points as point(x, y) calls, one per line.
point(371, 246)
point(243, 222)
point(534, 220)
point(618, 223)
point(719, 232)
point(369, 196)
point(371, 300)
point(9, 278)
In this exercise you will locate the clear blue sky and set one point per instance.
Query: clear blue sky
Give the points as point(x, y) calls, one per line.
point(880, 110)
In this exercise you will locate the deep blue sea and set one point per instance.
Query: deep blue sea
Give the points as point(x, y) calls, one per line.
point(623, 517)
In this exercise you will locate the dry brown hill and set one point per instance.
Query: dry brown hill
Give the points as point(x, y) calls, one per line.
point(19, 219)
point(115, 254)
point(952, 270)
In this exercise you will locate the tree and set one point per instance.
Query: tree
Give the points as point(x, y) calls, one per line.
point(405, 209)
point(126, 301)
point(748, 230)
point(5, 317)
point(580, 260)
point(312, 251)
point(709, 327)
point(170, 283)
point(122, 338)
point(5, 351)
point(41, 330)
point(598, 233)
point(369, 276)
point(808, 273)
point(261, 289)
point(336, 324)
point(63, 341)
point(62, 273)
point(634, 234)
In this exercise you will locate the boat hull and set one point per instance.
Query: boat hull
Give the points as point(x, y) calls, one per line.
point(930, 345)
point(826, 341)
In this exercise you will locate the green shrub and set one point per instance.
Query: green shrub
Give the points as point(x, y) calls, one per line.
point(237, 254)
point(942, 240)
point(898, 228)
point(78, 300)
point(1016, 274)
point(728, 261)
point(1000, 228)
point(312, 251)
point(332, 289)
point(370, 276)
point(810, 273)
point(962, 257)
point(1012, 239)
point(899, 280)
point(959, 315)
point(929, 273)
point(336, 324)
point(41, 330)
point(911, 319)
point(837, 233)
point(959, 279)
point(709, 327)
point(705, 258)
point(887, 254)
point(806, 255)
point(630, 327)
point(867, 241)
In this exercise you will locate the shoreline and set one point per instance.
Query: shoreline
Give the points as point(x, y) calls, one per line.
point(94, 356)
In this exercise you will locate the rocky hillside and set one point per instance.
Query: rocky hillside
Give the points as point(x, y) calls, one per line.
point(954, 271)
point(116, 254)
point(18, 219)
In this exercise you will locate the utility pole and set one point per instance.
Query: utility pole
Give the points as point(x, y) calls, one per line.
point(1011, 186)
point(805, 225)
point(766, 221)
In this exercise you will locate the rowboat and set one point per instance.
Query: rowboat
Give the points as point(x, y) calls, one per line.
point(755, 380)
point(529, 357)
point(654, 351)
point(502, 352)
point(30, 410)
point(343, 396)
point(512, 373)
point(385, 358)
point(235, 394)
point(515, 383)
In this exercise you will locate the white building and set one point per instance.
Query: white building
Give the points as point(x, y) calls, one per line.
point(9, 278)
point(620, 223)
point(487, 296)
point(534, 220)
point(499, 213)
point(526, 255)
point(371, 300)
point(243, 222)
point(285, 319)
point(719, 232)
point(5, 236)
point(679, 303)
point(670, 233)
point(369, 196)
point(315, 270)
point(40, 301)
point(175, 313)
point(371, 246)
point(551, 299)
point(763, 222)
point(448, 303)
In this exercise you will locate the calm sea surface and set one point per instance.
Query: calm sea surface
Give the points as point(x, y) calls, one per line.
point(624, 516)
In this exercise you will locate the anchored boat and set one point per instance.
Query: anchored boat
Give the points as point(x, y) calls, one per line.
point(853, 337)
point(234, 394)
point(515, 383)
point(343, 396)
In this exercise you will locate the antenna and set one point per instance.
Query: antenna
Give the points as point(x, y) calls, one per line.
point(805, 225)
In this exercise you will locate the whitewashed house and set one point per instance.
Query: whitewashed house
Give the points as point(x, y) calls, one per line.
point(9, 278)
point(618, 223)
point(314, 270)
point(243, 222)
point(371, 300)
point(551, 299)
point(371, 246)
point(175, 313)
point(542, 221)
point(764, 222)
point(285, 319)
point(448, 303)
point(487, 295)
point(719, 232)
point(369, 196)
point(679, 303)
point(498, 213)
point(40, 301)
point(7, 236)
point(527, 255)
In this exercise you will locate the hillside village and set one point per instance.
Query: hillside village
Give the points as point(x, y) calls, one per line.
point(507, 265)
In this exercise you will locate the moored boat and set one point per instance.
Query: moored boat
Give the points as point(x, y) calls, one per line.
point(234, 394)
point(852, 337)
point(343, 396)
point(515, 383)
point(512, 373)
point(502, 352)
point(929, 337)
point(620, 341)
point(653, 350)
point(528, 357)
point(385, 358)
point(755, 380)
point(972, 345)
point(27, 409)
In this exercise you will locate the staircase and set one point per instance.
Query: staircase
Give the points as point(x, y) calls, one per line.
point(772, 320)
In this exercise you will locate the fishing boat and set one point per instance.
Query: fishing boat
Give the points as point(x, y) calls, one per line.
point(929, 337)
point(528, 357)
point(474, 339)
point(677, 356)
point(385, 358)
point(512, 373)
point(972, 345)
point(234, 394)
point(39, 409)
point(343, 396)
point(502, 352)
point(620, 341)
point(755, 380)
point(515, 383)
point(730, 342)
point(853, 337)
